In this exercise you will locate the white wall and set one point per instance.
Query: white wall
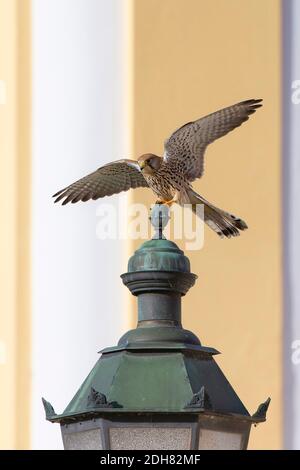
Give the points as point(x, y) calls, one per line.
point(291, 207)
point(77, 126)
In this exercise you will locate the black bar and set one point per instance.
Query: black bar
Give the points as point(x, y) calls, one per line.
point(135, 459)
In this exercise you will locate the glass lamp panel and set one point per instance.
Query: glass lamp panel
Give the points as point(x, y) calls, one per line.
point(85, 440)
point(150, 438)
point(210, 439)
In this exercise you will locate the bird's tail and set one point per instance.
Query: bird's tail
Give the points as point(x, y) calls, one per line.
point(223, 223)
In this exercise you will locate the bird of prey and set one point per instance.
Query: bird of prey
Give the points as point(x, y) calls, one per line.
point(170, 176)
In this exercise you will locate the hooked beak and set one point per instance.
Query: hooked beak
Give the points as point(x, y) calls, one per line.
point(142, 165)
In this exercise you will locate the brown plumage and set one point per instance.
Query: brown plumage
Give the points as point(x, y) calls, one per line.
point(170, 176)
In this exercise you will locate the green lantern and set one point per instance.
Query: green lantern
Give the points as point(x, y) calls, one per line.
point(159, 388)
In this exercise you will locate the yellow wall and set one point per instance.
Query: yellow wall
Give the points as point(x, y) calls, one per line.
point(192, 57)
point(14, 234)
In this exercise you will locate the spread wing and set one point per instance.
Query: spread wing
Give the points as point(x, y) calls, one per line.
point(112, 178)
point(184, 150)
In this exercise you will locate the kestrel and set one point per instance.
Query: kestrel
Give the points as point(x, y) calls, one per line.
point(170, 176)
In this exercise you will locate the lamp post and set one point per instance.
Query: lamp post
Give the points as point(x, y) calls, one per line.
point(159, 388)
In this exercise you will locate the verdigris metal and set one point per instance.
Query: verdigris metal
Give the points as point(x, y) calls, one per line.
point(158, 367)
point(200, 400)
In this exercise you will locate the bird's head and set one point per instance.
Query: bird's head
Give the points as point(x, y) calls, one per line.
point(149, 163)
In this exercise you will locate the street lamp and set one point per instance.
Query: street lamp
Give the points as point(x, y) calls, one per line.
point(159, 388)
